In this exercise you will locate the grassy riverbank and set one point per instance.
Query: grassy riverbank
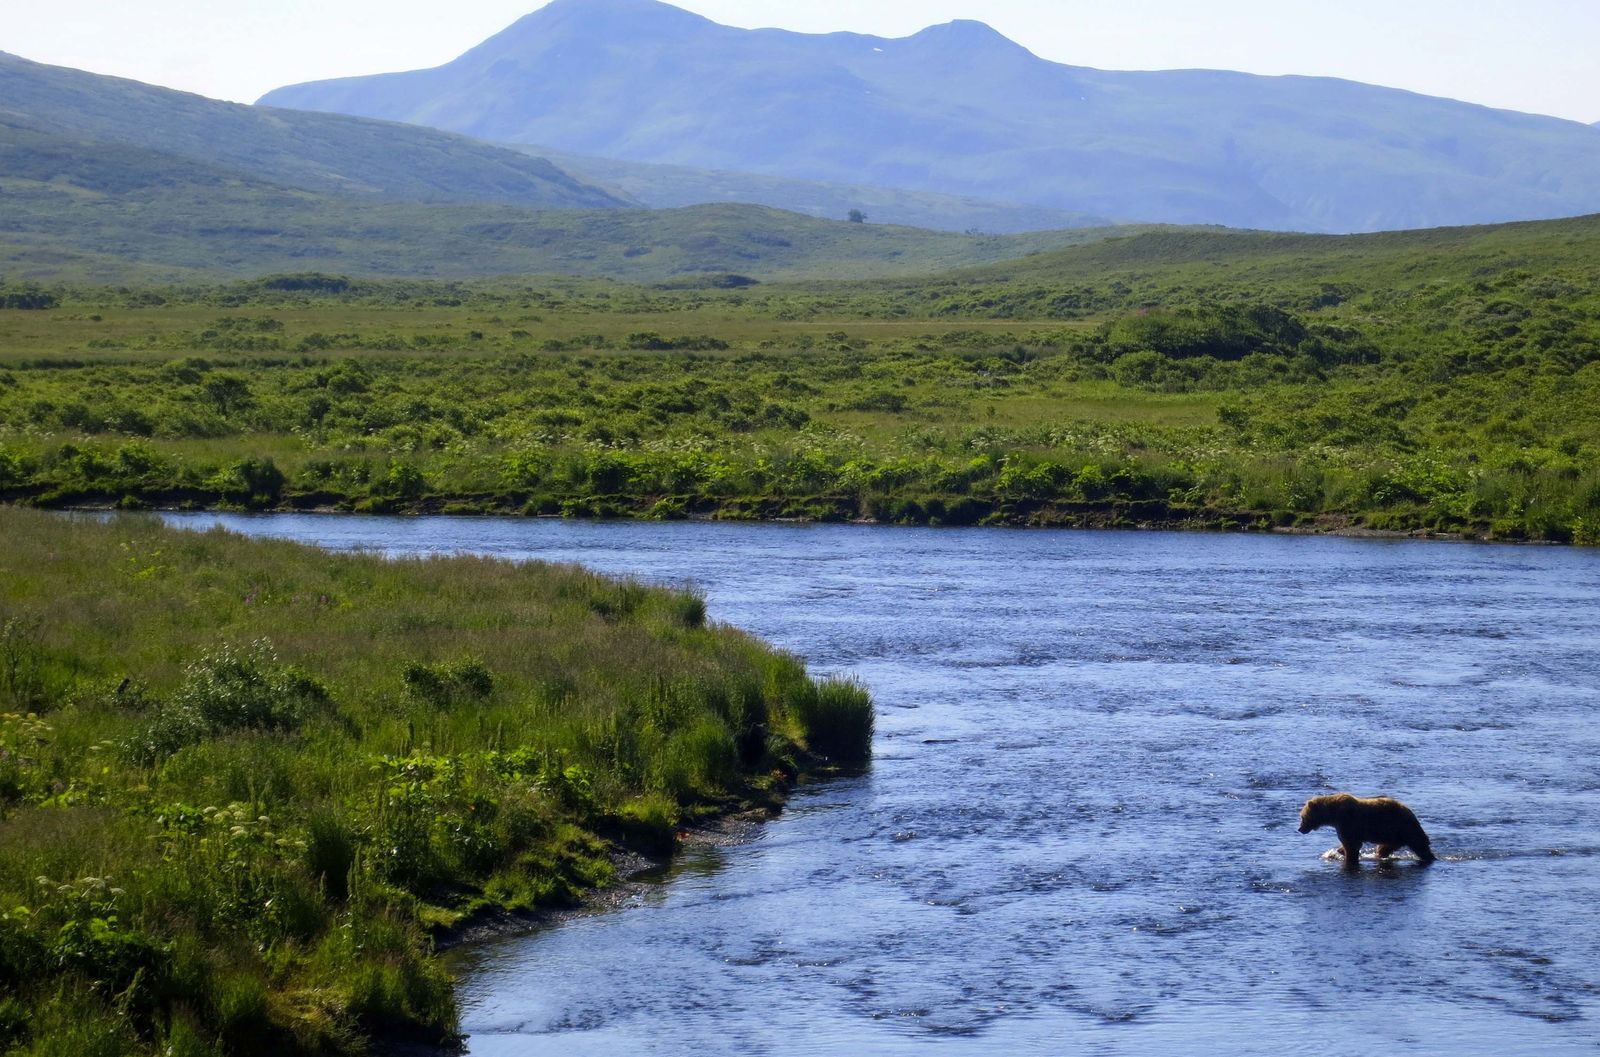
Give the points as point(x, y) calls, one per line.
point(242, 782)
point(1420, 381)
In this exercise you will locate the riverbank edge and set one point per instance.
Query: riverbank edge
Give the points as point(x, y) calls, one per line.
point(1115, 514)
point(724, 825)
point(737, 825)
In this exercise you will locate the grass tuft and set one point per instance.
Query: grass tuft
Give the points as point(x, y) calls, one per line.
point(836, 717)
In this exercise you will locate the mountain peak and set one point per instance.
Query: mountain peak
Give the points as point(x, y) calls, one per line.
point(967, 40)
point(595, 20)
point(591, 12)
point(965, 29)
point(627, 7)
point(967, 33)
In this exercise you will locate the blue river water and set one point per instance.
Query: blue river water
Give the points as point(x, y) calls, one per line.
point(1078, 834)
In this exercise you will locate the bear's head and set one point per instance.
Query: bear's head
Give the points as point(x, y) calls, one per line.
point(1314, 815)
point(1326, 811)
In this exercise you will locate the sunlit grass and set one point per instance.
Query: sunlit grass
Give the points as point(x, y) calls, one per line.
point(1416, 382)
point(241, 779)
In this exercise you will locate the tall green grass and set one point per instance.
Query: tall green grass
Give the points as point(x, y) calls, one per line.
point(836, 717)
point(243, 782)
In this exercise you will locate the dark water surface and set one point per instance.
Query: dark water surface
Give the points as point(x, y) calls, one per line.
point(1078, 835)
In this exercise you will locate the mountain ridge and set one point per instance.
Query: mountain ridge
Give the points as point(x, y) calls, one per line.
point(960, 109)
point(324, 153)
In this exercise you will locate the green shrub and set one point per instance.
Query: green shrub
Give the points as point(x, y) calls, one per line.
point(443, 685)
point(255, 482)
point(231, 689)
point(688, 609)
point(28, 298)
point(403, 481)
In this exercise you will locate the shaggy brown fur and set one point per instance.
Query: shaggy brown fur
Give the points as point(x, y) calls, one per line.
point(1379, 820)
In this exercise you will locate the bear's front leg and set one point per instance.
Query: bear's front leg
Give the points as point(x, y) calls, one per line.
point(1351, 846)
point(1386, 851)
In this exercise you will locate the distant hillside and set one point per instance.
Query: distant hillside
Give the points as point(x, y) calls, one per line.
point(1451, 278)
point(672, 186)
point(314, 152)
point(119, 213)
point(113, 180)
point(959, 109)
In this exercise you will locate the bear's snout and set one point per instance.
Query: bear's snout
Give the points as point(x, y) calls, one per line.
point(1304, 828)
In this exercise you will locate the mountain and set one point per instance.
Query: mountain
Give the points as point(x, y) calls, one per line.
point(959, 109)
point(674, 186)
point(315, 152)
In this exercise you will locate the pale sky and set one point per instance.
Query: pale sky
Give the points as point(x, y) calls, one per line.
point(1538, 56)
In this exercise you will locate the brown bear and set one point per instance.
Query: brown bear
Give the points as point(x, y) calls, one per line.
point(1379, 820)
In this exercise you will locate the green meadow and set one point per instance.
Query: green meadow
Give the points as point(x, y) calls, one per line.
point(245, 784)
point(1428, 382)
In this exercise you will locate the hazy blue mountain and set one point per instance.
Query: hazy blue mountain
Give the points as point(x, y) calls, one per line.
point(317, 152)
point(959, 109)
point(675, 186)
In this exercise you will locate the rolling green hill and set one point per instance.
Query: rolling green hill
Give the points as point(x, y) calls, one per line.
point(315, 152)
point(115, 213)
point(1318, 271)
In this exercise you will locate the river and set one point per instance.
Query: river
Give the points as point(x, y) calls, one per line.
point(1078, 834)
